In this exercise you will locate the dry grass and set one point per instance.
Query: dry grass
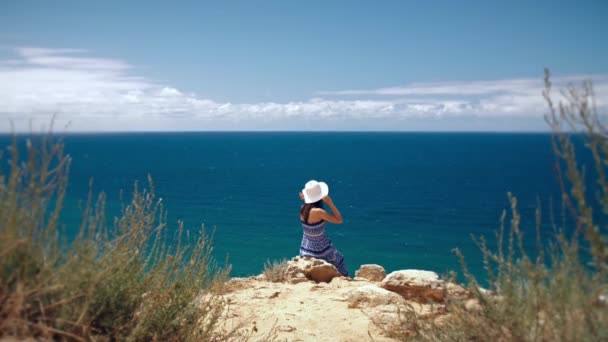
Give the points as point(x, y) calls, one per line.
point(554, 295)
point(275, 271)
point(124, 281)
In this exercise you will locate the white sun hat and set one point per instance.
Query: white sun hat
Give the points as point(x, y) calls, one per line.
point(314, 191)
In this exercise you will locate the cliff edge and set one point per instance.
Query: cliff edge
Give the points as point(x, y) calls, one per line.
point(306, 299)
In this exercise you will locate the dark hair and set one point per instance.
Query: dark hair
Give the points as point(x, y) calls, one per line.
point(306, 208)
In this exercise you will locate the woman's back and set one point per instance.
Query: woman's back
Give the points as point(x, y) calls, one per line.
point(313, 229)
point(310, 215)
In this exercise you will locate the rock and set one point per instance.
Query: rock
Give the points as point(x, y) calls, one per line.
point(235, 284)
point(372, 296)
point(380, 305)
point(472, 305)
point(484, 292)
point(371, 272)
point(297, 278)
point(602, 300)
point(319, 287)
point(260, 277)
point(456, 291)
point(286, 328)
point(388, 309)
point(340, 282)
point(323, 273)
point(311, 268)
point(416, 285)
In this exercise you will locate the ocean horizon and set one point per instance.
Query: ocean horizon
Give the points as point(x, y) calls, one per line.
point(407, 198)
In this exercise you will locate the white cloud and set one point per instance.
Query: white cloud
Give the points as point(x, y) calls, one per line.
point(96, 94)
point(169, 92)
point(523, 86)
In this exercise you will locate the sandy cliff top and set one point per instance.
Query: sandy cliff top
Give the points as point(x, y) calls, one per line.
point(342, 309)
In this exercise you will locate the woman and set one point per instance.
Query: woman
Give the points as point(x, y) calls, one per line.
point(315, 242)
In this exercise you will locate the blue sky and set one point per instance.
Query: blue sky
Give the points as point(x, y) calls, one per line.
point(294, 65)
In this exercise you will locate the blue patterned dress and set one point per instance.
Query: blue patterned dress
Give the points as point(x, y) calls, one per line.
point(316, 243)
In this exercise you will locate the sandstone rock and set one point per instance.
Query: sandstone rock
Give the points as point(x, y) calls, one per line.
point(238, 283)
point(372, 296)
point(383, 307)
point(371, 272)
point(388, 309)
point(323, 273)
point(286, 328)
point(238, 280)
point(340, 282)
point(602, 300)
point(484, 292)
point(416, 285)
point(260, 277)
point(312, 269)
point(319, 287)
point(456, 291)
point(472, 305)
point(297, 278)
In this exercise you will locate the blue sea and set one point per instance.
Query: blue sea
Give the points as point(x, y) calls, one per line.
point(407, 199)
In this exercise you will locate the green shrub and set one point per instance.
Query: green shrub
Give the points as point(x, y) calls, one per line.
point(554, 295)
point(126, 282)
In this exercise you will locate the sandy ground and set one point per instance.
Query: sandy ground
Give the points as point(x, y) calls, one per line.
point(300, 312)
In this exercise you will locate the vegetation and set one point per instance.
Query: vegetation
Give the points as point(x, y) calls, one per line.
point(124, 282)
point(275, 271)
point(554, 295)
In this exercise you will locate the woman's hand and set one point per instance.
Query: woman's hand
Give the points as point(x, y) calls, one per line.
point(327, 199)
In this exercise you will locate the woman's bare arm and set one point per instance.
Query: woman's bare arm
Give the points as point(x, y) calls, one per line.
point(335, 216)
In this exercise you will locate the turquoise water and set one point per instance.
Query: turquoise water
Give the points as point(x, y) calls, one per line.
point(407, 198)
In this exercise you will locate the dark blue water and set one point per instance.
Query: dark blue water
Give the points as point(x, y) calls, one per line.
point(407, 198)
